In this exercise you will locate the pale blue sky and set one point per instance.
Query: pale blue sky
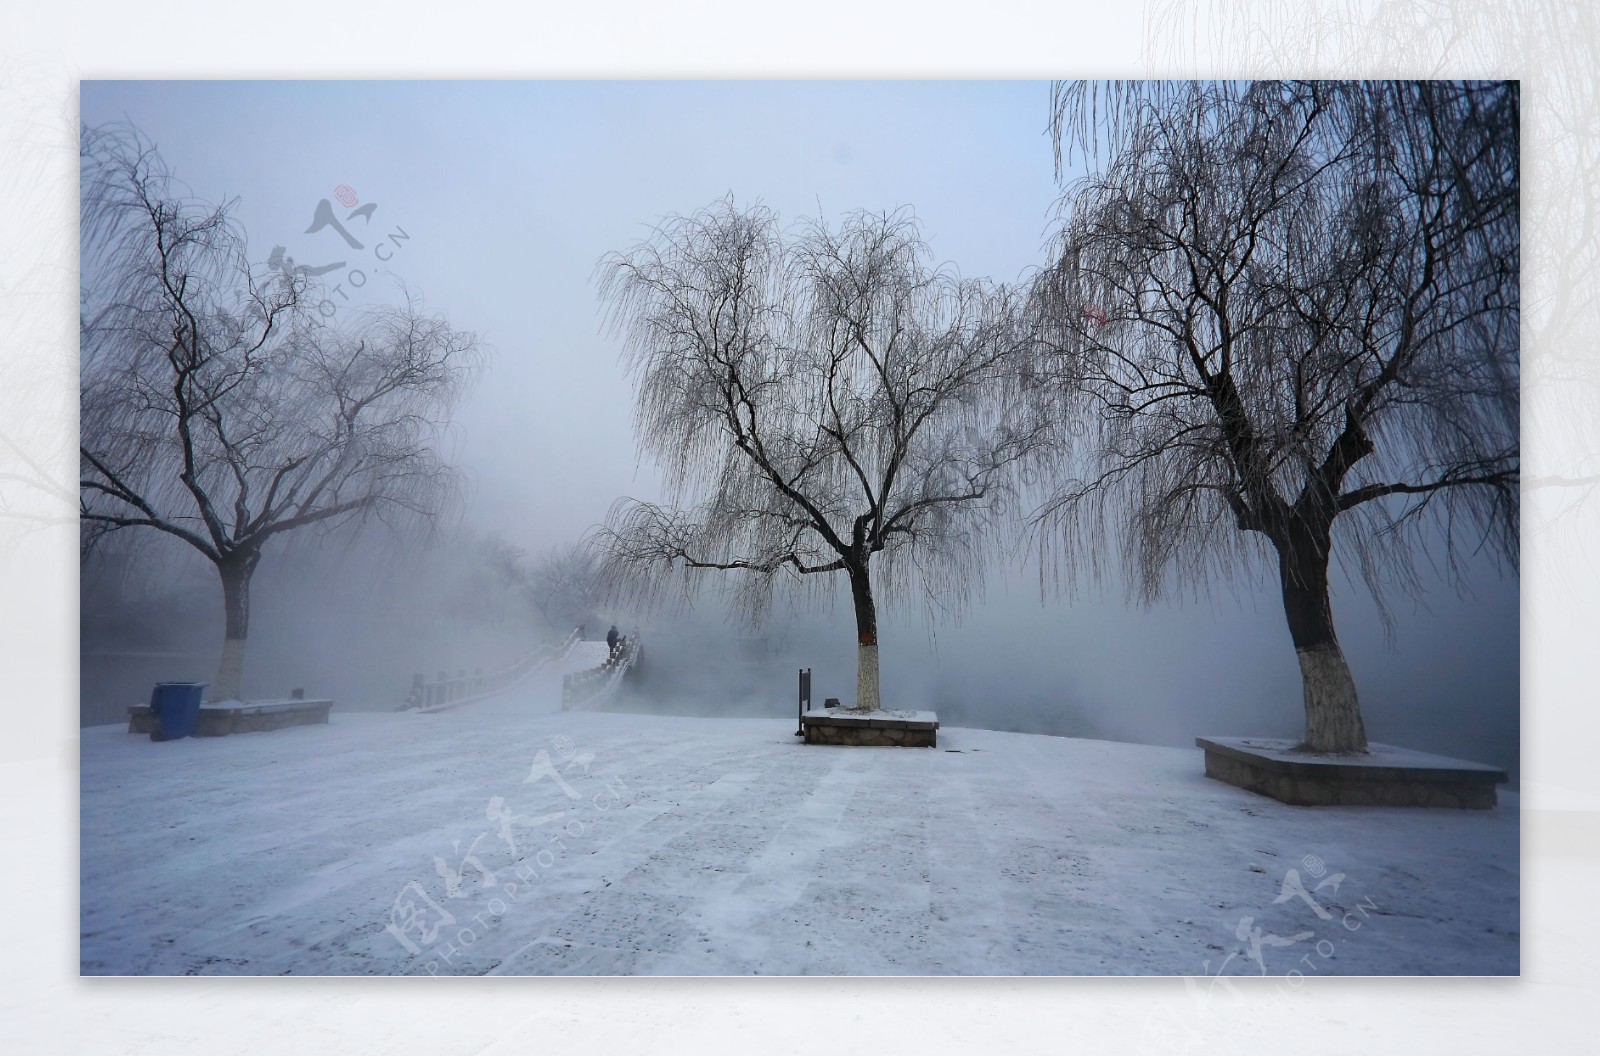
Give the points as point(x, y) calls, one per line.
point(511, 191)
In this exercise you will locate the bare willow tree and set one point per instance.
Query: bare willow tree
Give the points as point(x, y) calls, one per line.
point(216, 409)
point(822, 402)
point(1292, 305)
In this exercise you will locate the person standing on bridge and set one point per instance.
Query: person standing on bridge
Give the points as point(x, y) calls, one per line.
point(611, 640)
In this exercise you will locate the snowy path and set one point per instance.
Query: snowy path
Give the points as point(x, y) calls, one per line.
point(585, 655)
point(723, 846)
point(539, 695)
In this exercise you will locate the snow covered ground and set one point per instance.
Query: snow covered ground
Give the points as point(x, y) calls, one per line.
point(507, 837)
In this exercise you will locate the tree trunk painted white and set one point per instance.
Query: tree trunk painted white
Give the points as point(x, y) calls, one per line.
point(867, 675)
point(236, 569)
point(866, 637)
point(1333, 715)
point(230, 673)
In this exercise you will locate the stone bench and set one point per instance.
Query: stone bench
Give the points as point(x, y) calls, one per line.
point(844, 726)
point(1385, 776)
point(239, 717)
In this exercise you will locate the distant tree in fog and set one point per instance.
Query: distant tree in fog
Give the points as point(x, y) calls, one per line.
point(565, 585)
point(822, 401)
point(1288, 306)
point(216, 406)
point(491, 582)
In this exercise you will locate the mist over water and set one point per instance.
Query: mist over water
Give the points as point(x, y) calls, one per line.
point(348, 625)
point(1099, 667)
point(350, 620)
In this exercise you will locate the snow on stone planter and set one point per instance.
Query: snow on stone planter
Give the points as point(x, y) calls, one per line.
point(879, 726)
point(218, 718)
point(1384, 776)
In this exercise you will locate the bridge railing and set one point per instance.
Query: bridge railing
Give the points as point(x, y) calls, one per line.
point(448, 692)
point(591, 689)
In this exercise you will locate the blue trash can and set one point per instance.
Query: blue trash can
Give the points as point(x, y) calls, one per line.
point(177, 708)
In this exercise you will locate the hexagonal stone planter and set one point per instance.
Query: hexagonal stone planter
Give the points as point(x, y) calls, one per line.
point(1385, 776)
point(884, 727)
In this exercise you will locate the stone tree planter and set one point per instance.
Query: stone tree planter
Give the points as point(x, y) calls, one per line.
point(883, 727)
point(1384, 776)
point(240, 717)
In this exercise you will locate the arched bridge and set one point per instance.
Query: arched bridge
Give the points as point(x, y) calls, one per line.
point(590, 675)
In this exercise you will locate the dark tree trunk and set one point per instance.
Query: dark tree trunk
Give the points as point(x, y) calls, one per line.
point(235, 569)
point(866, 637)
point(1333, 714)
